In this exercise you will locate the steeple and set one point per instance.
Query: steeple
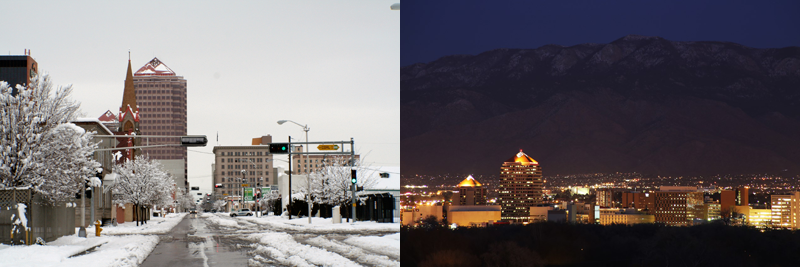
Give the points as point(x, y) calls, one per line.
point(129, 96)
point(129, 111)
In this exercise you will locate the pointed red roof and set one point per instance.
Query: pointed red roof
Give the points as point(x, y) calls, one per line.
point(108, 117)
point(154, 67)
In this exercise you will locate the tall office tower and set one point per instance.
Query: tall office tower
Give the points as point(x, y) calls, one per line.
point(785, 209)
point(742, 196)
point(162, 104)
point(17, 70)
point(470, 192)
point(605, 197)
point(678, 207)
point(520, 187)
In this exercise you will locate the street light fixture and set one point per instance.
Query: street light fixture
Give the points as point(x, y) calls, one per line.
point(308, 180)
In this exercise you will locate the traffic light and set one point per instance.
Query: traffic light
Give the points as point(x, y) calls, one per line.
point(279, 148)
point(194, 140)
point(218, 186)
point(353, 176)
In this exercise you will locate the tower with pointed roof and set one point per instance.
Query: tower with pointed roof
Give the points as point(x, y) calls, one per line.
point(470, 192)
point(520, 187)
point(161, 96)
point(128, 117)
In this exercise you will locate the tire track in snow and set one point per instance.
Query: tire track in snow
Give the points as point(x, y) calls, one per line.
point(360, 255)
point(284, 249)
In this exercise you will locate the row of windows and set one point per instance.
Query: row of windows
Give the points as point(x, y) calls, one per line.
point(239, 173)
point(250, 160)
point(246, 153)
point(239, 179)
point(239, 167)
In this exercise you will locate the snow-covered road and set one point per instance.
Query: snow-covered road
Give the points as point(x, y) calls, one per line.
point(219, 240)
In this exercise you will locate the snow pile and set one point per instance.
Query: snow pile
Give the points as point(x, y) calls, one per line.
point(361, 255)
point(388, 244)
point(283, 248)
point(117, 251)
point(156, 225)
point(322, 225)
point(217, 219)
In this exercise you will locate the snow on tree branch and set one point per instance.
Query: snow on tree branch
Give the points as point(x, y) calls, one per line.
point(38, 145)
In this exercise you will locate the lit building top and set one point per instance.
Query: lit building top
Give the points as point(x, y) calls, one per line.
point(523, 158)
point(469, 182)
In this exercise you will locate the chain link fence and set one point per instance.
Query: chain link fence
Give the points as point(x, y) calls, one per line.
point(44, 220)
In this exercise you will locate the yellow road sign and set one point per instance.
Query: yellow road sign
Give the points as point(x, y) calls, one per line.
point(328, 147)
point(245, 185)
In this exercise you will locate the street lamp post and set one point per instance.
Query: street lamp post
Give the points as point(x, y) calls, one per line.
point(308, 180)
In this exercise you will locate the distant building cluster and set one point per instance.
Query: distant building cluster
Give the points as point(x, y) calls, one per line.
point(522, 199)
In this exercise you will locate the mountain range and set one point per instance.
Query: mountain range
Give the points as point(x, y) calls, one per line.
point(637, 104)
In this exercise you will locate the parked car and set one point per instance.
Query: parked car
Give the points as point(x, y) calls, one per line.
point(193, 211)
point(242, 212)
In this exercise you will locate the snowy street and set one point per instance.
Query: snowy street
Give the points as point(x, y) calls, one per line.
point(219, 240)
point(208, 239)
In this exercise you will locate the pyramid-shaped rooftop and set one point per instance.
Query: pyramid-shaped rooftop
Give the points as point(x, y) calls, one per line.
point(154, 67)
point(470, 181)
point(523, 158)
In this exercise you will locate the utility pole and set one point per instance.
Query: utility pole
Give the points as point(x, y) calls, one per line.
point(352, 165)
point(289, 206)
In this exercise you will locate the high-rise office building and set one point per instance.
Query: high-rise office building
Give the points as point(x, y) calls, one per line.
point(604, 197)
point(678, 207)
point(470, 192)
point(18, 69)
point(785, 210)
point(161, 95)
point(520, 187)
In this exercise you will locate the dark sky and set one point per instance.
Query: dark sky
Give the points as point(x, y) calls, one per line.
point(432, 29)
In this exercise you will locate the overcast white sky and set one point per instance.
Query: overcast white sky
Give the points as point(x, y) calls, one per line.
point(333, 65)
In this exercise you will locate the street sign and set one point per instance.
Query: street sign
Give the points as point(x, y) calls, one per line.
point(248, 194)
point(328, 147)
point(224, 194)
point(245, 185)
point(194, 140)
point(195, 188)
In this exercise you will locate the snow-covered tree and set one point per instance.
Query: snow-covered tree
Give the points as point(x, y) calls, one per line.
point(184, 198)
point(331, 184)
point(218, 204)
point(37, 149)
point(66, 162)
point(143, 183)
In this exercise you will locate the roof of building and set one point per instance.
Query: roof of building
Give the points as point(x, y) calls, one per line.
point(156, 68)
point(455, 208)
point(522, 158)
point(91, 120)
point(108, 117)
point(470, 181)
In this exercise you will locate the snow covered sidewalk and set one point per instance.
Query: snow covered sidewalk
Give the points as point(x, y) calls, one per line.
point(124, 245)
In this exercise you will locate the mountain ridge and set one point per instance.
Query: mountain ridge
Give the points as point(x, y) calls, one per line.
point(642, 104)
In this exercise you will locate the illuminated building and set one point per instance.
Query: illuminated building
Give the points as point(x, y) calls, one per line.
point(473, 215)
point(470, 192)
point(628, 217)
point(759, 218)
point(678, 208)
point(520, 187)
point(604, 197)
point(741, 196)
point(726, 201)
point(539, 213)
point(784, 210)
point(639, 201)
